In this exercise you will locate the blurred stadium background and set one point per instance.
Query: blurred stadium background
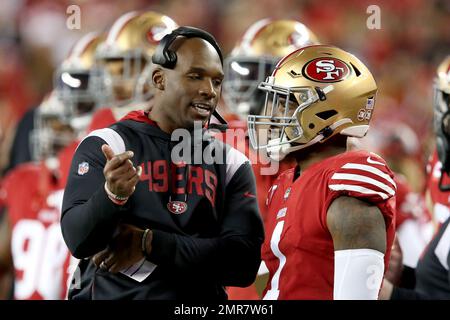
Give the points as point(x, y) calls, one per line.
point(403, 54)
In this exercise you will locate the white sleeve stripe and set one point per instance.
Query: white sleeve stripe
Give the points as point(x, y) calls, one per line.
point(360, 178)
point(234, 161)
point(349, 187)
point(443, 248)
point(370, 169)
point(111, 137)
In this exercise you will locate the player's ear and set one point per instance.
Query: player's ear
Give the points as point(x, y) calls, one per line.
point(158, 78)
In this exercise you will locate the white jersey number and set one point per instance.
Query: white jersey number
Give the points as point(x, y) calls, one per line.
point(274, 291)
point(39, 253)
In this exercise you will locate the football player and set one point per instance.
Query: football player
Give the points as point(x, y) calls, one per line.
point(36, 244)
point(250, 62)
point(330, 222)
point(126, 57)
point(432, 271)
point(438, 168)
point(38, 251)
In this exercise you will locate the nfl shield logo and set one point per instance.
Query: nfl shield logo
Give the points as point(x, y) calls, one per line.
point(83, 168)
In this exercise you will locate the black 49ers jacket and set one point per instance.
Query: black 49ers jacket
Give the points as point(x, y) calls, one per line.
point(207, 232)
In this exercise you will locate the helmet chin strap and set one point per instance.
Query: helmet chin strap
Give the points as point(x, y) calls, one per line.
point(277, 150)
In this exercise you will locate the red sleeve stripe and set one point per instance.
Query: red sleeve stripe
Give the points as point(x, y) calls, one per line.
point(349, 187)
point(364, 179)
point(370, 169)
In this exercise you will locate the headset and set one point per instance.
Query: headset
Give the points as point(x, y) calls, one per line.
point(167, 58)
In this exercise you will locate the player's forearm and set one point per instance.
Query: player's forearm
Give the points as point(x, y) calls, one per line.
point(88, 227)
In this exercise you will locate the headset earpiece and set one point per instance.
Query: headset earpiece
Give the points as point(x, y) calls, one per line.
point(167, 58)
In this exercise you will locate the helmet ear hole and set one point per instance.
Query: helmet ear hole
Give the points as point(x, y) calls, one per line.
point(311, 126)
point(325, 115)
point(357, 72)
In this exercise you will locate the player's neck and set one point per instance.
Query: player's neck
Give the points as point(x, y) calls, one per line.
point(314, 154)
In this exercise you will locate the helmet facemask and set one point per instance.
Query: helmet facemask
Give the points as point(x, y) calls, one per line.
point(81, 92)
point(441, 103)
point(442, 127)
point(52, 131)
point(278, 129)
point(123, 77)
point(242, 78)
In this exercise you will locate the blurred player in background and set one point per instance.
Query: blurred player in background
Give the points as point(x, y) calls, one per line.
point(126, 57)
point(38, 251)
point(32, 209)
point(331, 218)
point(432, 272)
point(438, 168)
point(398, 144)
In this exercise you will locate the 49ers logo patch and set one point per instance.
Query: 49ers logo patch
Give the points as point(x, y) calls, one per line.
point(177, 207)
point(326, 70)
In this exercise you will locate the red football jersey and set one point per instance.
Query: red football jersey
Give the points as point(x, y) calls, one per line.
point(409, 205)
point(236, 136)
point(440, 199)
point(102, 118)
point(412, 222)
point(33, 199)
point(65, 161)
point(298, 249)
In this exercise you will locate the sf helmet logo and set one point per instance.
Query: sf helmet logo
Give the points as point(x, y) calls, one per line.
point(156, 33)
point(326, 70)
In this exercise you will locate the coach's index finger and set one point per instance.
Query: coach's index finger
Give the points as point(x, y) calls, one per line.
point(114, 161)
point(108, 152)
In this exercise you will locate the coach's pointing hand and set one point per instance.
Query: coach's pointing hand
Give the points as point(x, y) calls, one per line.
point(120, 173)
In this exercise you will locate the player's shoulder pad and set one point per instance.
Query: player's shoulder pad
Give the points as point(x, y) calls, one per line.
point(362, 174)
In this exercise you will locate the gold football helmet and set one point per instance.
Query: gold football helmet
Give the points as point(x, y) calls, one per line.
point(78, 82)
point(254, 58)
point(126, 53)
point(441, 104)
point(313, 94)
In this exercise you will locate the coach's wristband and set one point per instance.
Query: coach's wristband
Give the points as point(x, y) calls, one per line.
point(115, 198)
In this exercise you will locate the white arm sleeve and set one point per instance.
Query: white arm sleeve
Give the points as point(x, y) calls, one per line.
point(357, 274)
